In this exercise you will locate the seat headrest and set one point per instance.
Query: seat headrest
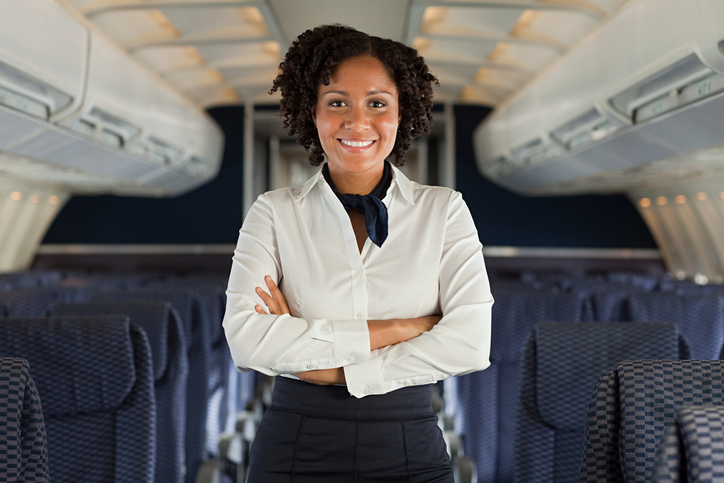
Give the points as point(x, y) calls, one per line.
point(571, 357)
point(516, 313)
point(80, 364)
point(152, 317)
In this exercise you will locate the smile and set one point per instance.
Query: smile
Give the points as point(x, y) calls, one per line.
point(356, 144)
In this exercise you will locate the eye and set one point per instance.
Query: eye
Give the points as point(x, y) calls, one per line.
point(377, 104)
point(337, 103)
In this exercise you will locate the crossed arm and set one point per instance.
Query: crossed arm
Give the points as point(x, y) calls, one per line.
point(382, 332)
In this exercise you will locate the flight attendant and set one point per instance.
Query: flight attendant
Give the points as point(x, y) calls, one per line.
point(361, 288)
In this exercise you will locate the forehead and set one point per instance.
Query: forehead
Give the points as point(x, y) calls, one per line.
point(364, 72)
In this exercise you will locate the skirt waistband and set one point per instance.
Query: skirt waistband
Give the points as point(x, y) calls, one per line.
point(335, 401)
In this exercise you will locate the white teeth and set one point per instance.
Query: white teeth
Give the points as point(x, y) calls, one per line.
point(356, 144)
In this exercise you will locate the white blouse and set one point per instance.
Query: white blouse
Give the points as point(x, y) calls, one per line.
point(431, 263)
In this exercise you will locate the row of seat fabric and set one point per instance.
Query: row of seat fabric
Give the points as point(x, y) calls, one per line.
point(183, 317)
point(485, 403)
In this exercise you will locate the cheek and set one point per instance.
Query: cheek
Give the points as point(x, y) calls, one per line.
point(390, 128)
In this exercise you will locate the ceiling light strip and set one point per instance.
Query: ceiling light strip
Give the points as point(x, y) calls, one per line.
point(515, 5)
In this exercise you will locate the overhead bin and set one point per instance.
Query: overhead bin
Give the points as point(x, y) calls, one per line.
point(129, 108)
point(72, 99)
point(41, 76)
point(641, 88)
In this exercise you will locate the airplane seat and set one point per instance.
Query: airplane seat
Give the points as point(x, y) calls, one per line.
point(689, 287)
point(632, 406)
point(163, 326)
point(196, 334)
point(95, 378)
point(700, 318)
point(485, 401)
point(692, 449)
point(230, 389)
point(636, 280)
point(560, 367)
point(24, 443)
point(34, 302)
point(29, 279)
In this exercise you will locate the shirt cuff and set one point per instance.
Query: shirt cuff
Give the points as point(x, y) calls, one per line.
point(365, 379)
point(351, 341)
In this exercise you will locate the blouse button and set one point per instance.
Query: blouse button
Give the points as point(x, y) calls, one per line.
point(310, 366)
point(366, 390)
point(358, 273)
point(352, 359)
point(360, 315)
point(408, 383)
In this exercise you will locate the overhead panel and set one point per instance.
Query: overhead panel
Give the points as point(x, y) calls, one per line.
point(509, 42)
point(40, 78)
point(461, 40)
point(186, 42)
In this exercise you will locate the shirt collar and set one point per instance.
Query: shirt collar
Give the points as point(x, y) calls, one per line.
point(399, 179)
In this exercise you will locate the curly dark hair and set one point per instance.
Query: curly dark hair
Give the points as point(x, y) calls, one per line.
point(313, 57)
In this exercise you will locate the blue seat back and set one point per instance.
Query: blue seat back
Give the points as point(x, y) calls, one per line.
point(196, 333)
point(631, 408)
point(24, 444)
point(561, 365)
point(486, 400)
point(692, 448)
point(34, 302)
point(700, 318)
point(170, 368)
point(95, 378)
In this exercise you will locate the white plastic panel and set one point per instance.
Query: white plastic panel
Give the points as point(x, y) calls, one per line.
point(26, 211)
point(62, 148)
point(645, 39)
point(15, 127)
point(687, 220)
point(129, 108)
point(44, 42)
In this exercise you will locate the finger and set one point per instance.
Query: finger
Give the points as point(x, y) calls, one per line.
point(265, 297)
point(260, 310)
point(276, 294)
point(273, 305)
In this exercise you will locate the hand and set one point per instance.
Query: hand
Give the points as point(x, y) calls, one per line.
point(384, 333)
point(274, 300)
point(323, 377)
point(420, 325)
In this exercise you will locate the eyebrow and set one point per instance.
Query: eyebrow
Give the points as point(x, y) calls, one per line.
point(345, 93)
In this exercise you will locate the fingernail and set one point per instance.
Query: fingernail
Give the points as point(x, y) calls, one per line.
point(268, 278)
point(258, 290)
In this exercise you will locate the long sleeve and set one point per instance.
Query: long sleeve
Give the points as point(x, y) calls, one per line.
point(460, 342)
point(274, 344)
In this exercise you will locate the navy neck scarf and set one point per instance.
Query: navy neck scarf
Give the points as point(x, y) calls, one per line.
point(371, 204)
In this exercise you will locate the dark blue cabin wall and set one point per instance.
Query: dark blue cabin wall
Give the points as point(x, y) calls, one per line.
point(213, 213)
point(210, 214)
point(504, 218)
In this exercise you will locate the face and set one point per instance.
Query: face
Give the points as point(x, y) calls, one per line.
point(357, 116)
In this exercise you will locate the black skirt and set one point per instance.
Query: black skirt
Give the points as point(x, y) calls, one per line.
point(322, 434)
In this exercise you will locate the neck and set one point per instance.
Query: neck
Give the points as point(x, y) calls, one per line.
point(356, 183)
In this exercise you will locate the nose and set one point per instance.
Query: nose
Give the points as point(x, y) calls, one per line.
point(356, 120)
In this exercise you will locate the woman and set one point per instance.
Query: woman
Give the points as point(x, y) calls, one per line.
point(382, 286)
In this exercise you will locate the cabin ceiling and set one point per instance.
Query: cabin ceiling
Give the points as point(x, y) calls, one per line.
point(226, 52)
